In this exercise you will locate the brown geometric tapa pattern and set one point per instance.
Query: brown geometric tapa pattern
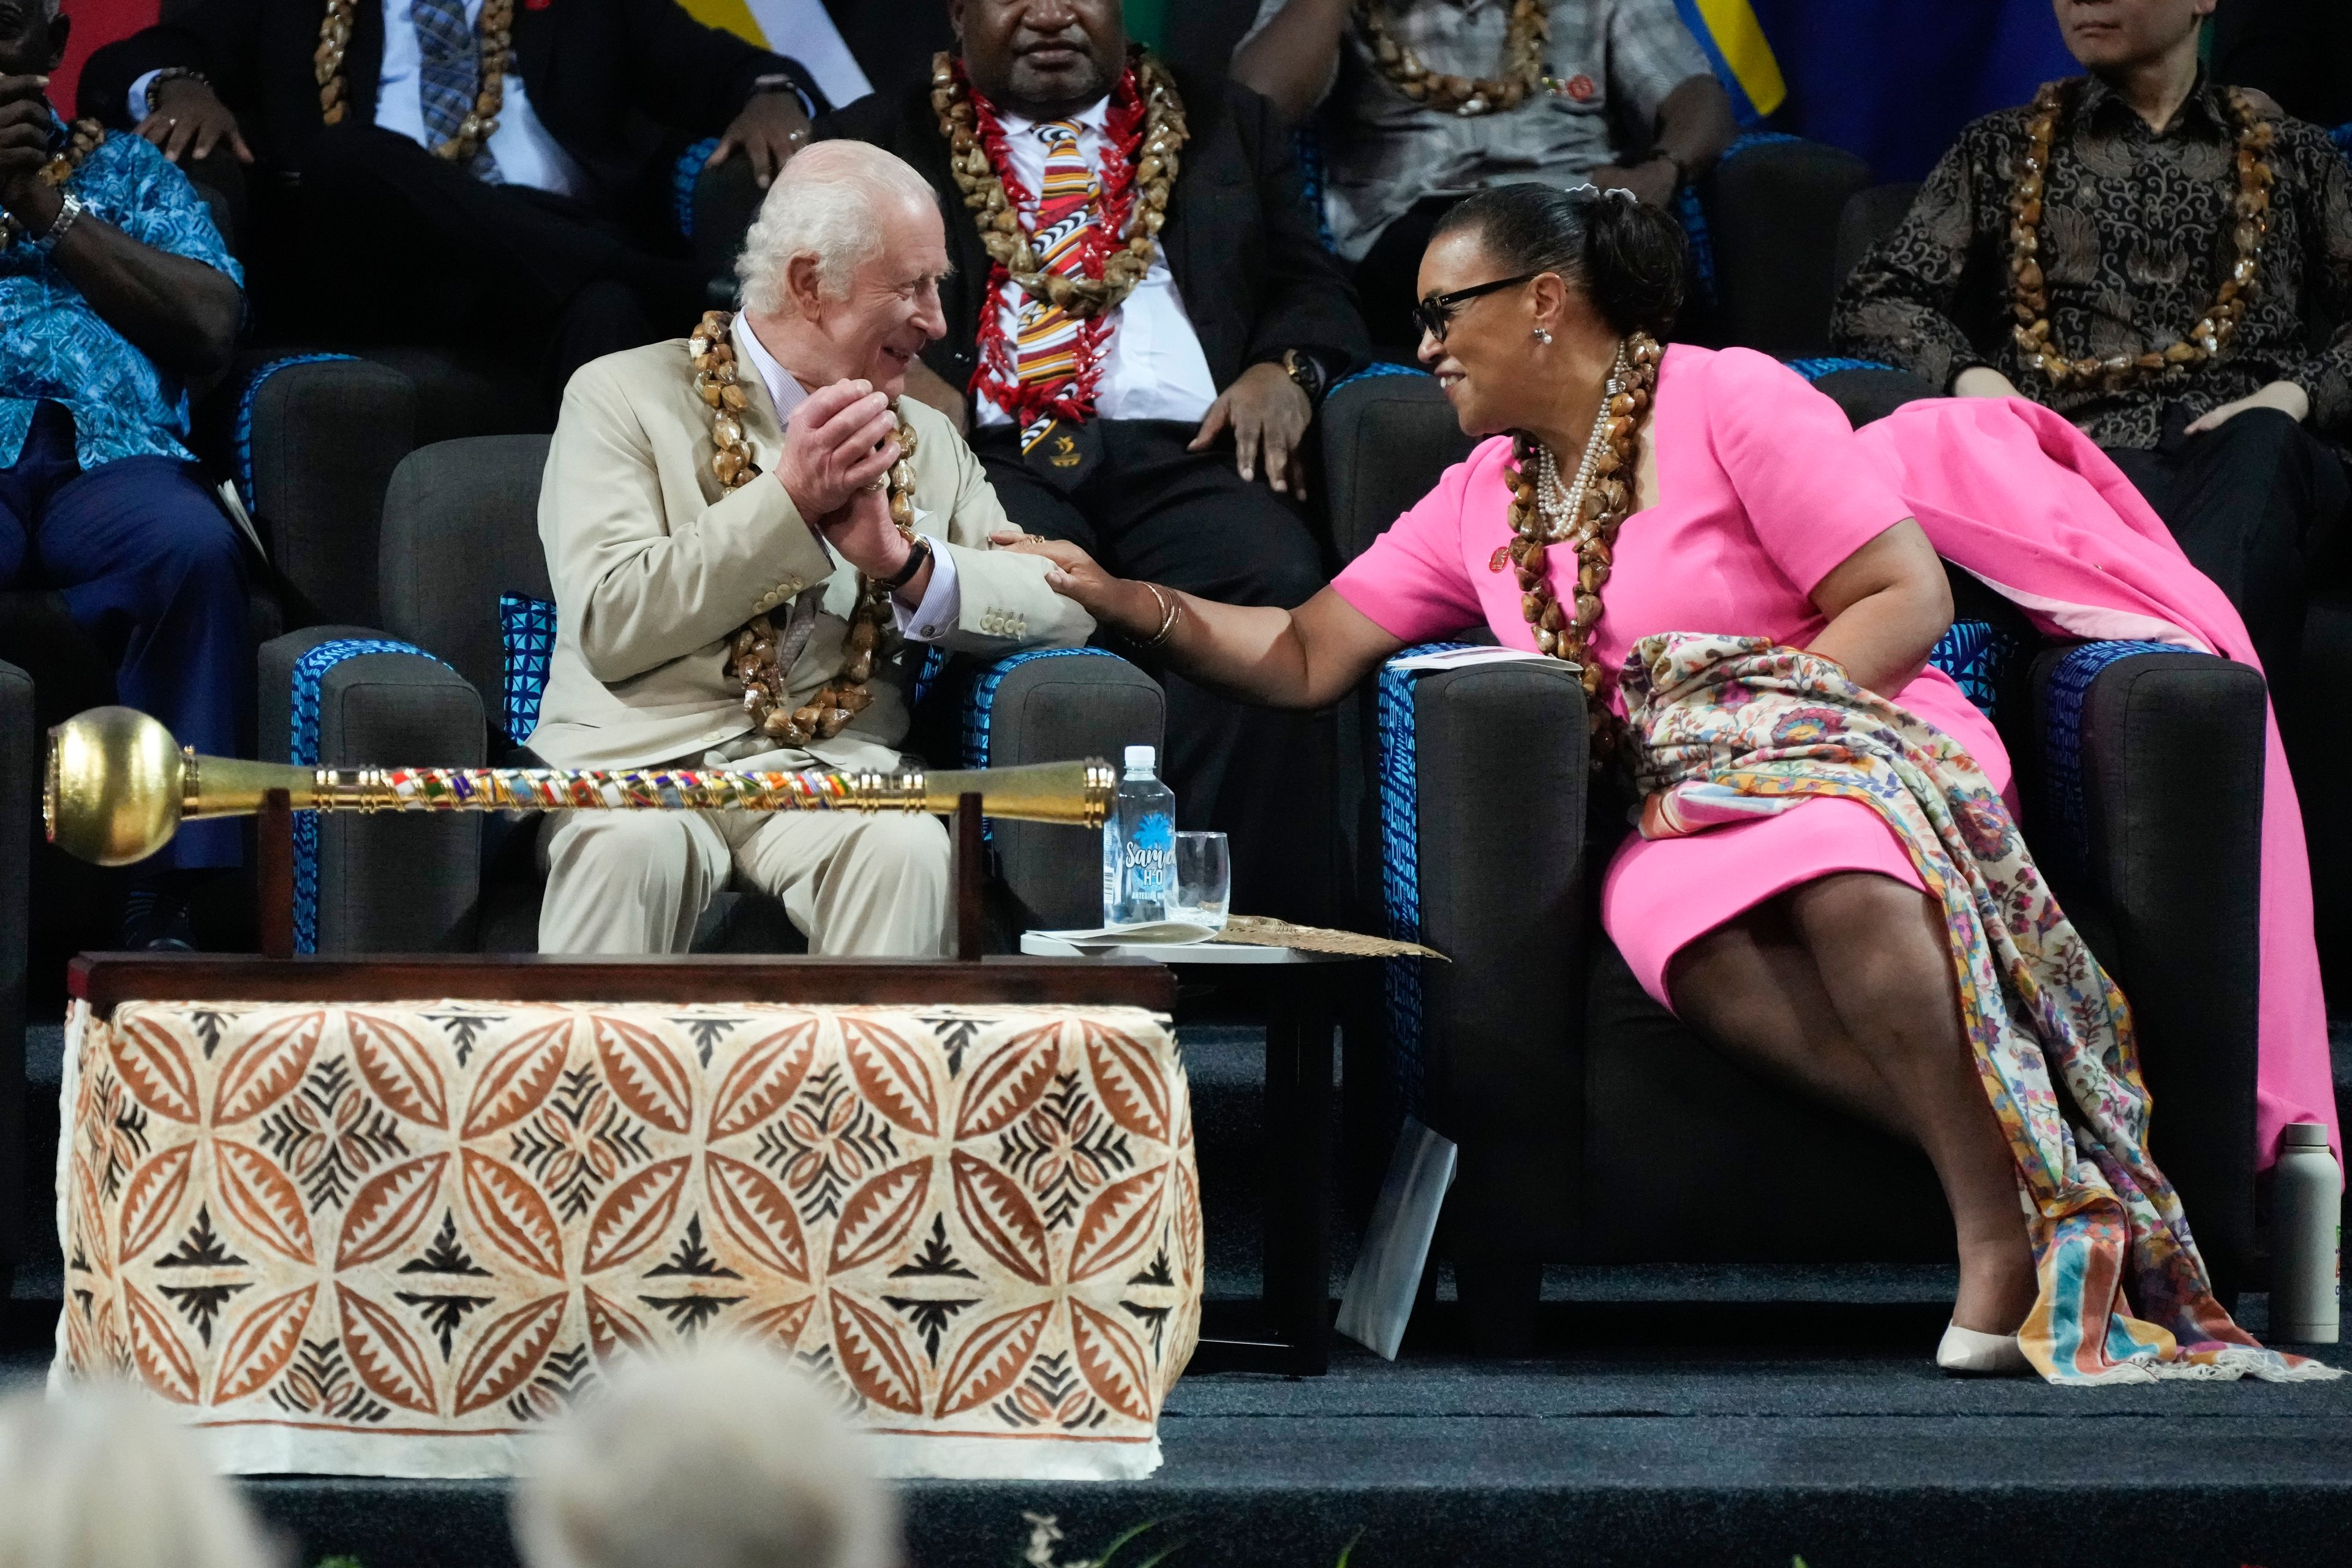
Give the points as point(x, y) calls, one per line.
point(368, 1239)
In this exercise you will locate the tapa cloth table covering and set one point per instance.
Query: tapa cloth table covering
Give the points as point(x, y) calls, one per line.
point(396, 1239)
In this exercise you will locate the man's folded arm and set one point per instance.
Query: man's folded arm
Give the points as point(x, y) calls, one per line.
point(215, 36)
point(640, 592)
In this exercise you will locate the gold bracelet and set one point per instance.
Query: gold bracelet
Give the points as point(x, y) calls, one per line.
point(1171, 612)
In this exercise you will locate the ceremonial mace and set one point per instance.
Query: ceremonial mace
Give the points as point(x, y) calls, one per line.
point(119, 787)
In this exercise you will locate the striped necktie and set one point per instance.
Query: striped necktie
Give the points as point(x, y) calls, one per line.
point(1045, 344)
point(450, 79)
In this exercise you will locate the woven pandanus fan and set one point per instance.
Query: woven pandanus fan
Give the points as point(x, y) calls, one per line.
point(119, 787)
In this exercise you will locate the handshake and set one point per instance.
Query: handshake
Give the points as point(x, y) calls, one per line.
point(840, 445)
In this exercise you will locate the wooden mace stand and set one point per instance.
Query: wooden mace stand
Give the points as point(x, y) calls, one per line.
point(278, 974)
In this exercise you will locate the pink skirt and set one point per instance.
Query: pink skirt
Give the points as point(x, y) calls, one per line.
point(1660, 895)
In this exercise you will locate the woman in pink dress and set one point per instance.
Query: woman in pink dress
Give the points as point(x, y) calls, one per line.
point(1802, 941)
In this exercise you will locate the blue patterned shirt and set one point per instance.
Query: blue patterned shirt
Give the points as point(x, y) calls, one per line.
point(54, 346)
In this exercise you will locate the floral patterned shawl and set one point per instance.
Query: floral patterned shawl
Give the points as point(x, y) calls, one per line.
point(1733, 728)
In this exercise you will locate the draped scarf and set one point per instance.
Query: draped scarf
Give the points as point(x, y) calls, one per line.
point(1728, 728)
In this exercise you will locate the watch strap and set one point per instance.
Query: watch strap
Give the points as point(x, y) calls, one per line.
point(920, 552)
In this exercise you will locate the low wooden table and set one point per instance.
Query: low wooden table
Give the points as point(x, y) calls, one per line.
point(1296, 993)
point(386, 1216)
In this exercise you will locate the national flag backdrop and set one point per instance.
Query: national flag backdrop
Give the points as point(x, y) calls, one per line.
point(1892, 79)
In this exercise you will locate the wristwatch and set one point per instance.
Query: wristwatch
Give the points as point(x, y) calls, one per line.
point(1305, 373)
point(784, 81)
point(69, 210)
point(920, 552)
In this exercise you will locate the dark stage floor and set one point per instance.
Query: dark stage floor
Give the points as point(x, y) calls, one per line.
point(1685, 1416)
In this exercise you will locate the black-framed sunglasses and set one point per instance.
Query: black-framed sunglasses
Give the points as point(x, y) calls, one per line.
point(1436, 312)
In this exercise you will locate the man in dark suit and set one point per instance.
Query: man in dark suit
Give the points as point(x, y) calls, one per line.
point(1139, 364)
point(464, 167)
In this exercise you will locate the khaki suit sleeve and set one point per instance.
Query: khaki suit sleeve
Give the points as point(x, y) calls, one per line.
point(638, 587)
point(1006, 606)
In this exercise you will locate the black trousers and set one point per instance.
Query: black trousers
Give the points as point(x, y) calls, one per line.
point(420, 252)
point(1388, 280)
point(1148, 509)
point(2254, 505)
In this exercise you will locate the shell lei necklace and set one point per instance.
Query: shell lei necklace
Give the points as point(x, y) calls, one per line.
point(1585, 515)
point(2211, 334)
point(86, 137)
point(1523, 45)
point(493, 29)
point(1147, 133)
point(755, 654)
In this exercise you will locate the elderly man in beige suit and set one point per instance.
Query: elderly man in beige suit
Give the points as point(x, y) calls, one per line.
point(658, 562)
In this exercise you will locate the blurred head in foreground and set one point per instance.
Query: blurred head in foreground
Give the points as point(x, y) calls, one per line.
point(103, 1479)
point(727, 1458)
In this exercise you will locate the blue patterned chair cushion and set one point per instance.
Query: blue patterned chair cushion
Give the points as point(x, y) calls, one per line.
point(527, 627)
point(1978, 656)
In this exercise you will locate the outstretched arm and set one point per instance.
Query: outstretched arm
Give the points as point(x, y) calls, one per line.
point(1306, 657)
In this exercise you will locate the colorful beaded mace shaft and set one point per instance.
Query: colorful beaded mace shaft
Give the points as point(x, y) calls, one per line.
point(2030, 300)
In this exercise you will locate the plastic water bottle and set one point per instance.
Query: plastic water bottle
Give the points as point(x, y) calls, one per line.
point(2307, 1206)
point(1139, 845)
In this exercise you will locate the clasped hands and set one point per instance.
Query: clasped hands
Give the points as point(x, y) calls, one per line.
point(25, 151)
point(839, 445)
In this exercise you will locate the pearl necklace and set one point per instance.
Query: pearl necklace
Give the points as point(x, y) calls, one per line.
point(1559, 503)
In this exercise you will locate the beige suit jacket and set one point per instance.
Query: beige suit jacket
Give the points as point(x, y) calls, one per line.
point(655, 566)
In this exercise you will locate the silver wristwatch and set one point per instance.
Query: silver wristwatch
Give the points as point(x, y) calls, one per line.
point(69, 210)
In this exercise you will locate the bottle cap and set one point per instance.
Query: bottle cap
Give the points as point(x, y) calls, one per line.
point(1141, 756)
point(2306, 1135)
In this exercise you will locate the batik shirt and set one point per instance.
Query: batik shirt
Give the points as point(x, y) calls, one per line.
point(54, 346)
point(2135, 237)
point(1613, 61)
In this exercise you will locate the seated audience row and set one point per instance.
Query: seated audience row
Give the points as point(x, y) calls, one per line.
point(727, 1458)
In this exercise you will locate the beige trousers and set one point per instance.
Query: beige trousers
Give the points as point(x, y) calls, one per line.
point(638, 881)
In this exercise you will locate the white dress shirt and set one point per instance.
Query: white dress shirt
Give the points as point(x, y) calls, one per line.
point(525, 153)
point(1152, 366)
point(942, 603)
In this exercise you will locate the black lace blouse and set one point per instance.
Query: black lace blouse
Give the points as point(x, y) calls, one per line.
point(2134, 237)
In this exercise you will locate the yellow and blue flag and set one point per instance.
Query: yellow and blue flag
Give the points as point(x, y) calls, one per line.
point(1735, 46)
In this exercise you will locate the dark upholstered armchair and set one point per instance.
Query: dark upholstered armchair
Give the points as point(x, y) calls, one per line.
point(1593, 1127)
point(21, 755)
point(433, 686)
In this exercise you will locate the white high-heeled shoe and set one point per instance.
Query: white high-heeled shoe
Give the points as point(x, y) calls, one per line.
point(1965, 1353)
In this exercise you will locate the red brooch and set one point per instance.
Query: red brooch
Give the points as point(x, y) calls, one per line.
point(1500, 559)
point(1580, 86)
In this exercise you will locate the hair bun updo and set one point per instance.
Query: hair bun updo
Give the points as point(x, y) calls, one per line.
point(1630, 259)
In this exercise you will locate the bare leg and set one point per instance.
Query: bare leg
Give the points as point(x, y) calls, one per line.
point(1836, 985)
point(1751, 988)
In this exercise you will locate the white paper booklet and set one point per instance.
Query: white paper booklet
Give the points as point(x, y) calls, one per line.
point(1379, 1299)
point(1160, 933)
point(1456, 657)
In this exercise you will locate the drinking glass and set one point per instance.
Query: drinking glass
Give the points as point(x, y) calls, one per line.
point(1204, 879)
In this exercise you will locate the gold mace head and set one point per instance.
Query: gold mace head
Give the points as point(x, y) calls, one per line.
point(114, 786)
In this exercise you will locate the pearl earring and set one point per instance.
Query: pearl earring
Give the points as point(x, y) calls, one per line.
point(1543, 335)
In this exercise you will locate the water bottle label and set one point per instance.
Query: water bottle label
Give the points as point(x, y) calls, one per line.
point(1148, 859)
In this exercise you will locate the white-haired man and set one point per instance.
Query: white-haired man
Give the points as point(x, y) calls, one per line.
point(732, 590)
point(724, 1458)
